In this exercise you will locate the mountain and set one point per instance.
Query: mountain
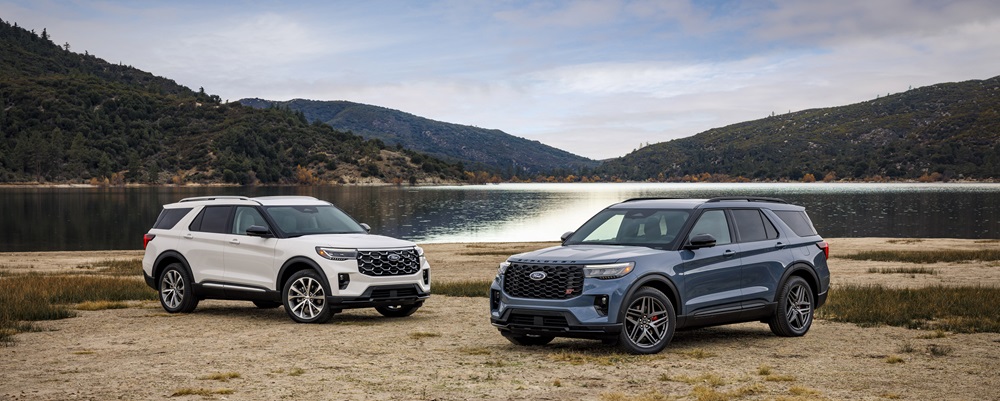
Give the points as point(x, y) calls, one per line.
point(944, 131)
point(477, 148)
point(70, 117)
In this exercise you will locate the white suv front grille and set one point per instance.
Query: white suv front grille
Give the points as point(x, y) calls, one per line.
point(395, 262)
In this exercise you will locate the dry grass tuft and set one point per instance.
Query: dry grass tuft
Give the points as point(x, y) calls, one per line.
point(467, 288)
point(417, 335)
point(204, 392)
point(893, 359)
point(952, 256)
point(100, 305)
point(968, 309)
point(222, 377)
point(697, 353)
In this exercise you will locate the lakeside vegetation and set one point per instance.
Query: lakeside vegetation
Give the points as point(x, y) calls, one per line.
point(968, 309)
point(951, 256)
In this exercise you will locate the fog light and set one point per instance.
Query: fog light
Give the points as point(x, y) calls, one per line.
point(601, 304)
point(343, 280)
point(494, 299)
point(427, 277)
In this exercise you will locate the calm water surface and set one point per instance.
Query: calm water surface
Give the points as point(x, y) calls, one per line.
point(45, 219)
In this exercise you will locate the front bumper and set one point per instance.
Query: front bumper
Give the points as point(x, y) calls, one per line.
point(553, 323)
point(403, 294)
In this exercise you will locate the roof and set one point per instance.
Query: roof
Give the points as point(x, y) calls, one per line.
point(243, 200)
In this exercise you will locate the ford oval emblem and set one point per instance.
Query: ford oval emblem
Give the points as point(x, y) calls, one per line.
point(394, 257)
point(537, 275)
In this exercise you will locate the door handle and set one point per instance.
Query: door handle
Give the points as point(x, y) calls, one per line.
point(729, 253)
point(779, 245)
point(189, 236)
point(234, 241)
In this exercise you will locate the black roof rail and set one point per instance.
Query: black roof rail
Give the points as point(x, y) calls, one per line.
point(747, 199)
point(212, 198)
point(649, 198)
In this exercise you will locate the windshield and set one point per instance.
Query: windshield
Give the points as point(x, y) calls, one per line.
point(296, 221)
point(655, 228)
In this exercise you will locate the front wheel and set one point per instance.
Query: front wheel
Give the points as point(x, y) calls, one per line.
point(398, 310)
point(794, 314)
point(304, 297)
point(649, 322)
point(176, 292)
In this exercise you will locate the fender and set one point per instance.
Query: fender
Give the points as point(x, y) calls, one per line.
point(170, 253)
point(642, 281)
point(279, 286)
point(796, 267)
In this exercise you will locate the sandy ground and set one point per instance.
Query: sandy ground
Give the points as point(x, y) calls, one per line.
point(448, 350)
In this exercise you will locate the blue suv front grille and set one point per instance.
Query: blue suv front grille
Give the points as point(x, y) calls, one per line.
point(543, 281)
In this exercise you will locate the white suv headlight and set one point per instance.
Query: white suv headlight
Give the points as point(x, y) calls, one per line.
point(613, 270)
point(337, 253)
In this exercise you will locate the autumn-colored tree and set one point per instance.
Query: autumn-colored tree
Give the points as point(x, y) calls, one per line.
point(808, 177)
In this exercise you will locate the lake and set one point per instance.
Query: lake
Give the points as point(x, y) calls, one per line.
point(53, 219)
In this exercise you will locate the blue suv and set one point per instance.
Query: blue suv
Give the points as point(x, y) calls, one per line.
point(643, 268)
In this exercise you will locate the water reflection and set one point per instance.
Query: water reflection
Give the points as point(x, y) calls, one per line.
point(116, 218)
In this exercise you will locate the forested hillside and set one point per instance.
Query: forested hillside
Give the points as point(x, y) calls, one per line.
point(478, 148)
point(940, 132)
point(71, 117)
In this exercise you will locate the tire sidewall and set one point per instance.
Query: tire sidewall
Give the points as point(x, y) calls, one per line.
point(626, 343)
point(189, 301)
point(324, 315)
point(786, 327)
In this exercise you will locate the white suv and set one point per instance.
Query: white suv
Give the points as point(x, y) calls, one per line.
point(295, 251)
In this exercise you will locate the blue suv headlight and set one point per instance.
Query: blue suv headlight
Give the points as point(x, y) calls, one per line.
point(608, 271)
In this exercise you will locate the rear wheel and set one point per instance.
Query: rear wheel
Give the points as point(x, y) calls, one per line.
point(398, 310)
point(176, 292)
point(304, 297)
point(649, 322)
point(794, 314)
point(528, 339)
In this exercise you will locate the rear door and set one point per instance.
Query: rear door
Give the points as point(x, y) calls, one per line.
point(204, 243)
point(763, 255)
point(711, 275)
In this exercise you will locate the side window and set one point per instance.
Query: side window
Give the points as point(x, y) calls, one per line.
point(798, 221)
point(212, 219)
point(247, 216)
point(168, 218)
point(713, 222)
point(753, 225)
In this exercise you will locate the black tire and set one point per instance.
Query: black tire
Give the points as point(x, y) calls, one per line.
point(304, 298)
point(176, 290)
point(398, 310)
point(793, 315)
point(266, 304)
point(648, 322)
point(528, 340)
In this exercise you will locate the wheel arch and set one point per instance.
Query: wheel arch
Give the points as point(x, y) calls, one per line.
point(295, 265)
point(804, 271)
point(657, 281)
point(165, 259)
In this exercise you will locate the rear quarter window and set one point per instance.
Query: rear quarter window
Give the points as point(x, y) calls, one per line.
point(169, 217)
point(798, 221)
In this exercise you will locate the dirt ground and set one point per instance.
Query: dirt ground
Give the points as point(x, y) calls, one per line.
point(448, 350)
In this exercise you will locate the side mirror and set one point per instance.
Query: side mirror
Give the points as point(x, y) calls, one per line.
point(367, 227)
point(258, 231)
point(566, 235)
point(701, 241)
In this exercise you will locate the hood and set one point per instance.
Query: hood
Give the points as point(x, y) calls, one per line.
point(571, 254)
point(355, 241)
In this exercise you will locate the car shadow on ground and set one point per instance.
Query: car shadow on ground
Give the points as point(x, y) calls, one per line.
point(685, 340)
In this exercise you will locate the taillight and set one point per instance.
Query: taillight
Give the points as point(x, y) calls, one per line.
point(825, 247)
point(146, 238)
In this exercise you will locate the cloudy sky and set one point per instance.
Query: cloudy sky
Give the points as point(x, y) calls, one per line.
point(596, 78)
